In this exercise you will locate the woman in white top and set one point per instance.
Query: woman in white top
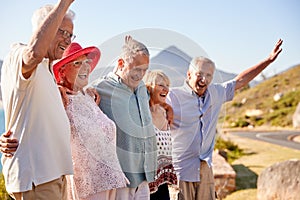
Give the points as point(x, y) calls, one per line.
point(158, 86)
point(97, 172)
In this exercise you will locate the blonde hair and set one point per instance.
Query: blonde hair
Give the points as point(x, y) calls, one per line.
point(40, 14)
point(152, 76)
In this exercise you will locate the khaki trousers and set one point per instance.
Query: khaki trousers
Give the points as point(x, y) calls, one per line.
point(142, 192)
point(203, 190)
point(55, 189)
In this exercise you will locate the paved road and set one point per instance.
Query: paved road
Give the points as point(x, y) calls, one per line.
point(282, 138)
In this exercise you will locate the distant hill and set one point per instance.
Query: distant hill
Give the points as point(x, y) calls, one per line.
point(257, 106)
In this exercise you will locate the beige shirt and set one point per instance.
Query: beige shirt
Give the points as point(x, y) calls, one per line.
point(35, 114)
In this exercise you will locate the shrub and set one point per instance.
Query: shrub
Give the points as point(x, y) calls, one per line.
point(239, 123)
point(233, 151)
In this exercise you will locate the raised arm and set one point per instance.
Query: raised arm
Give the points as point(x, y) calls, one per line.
point(246, 76)
point(42, 37)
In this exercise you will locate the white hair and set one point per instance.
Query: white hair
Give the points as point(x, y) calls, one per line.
point(40, 14)
point(198, 60)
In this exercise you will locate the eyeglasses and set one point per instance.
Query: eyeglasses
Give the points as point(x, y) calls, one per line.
point(78, 63)
point(67, 35)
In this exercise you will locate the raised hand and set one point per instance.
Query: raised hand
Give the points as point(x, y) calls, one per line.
point(276, 51)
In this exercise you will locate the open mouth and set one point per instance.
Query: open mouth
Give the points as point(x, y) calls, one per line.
point(82, 76)
point(163, 95)
point(201, 85)
point(62, 48)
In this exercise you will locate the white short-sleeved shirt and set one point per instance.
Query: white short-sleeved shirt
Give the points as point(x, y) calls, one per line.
point(35, 114)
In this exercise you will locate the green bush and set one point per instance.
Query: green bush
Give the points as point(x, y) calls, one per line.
point(239, 123)
point(232, 150)
point(237, 104)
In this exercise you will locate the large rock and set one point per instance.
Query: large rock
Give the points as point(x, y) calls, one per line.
point(224, 175)
point(280, 181)
point(296, 117)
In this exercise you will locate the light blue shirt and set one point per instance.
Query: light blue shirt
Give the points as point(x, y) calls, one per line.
point(136, 140)
point(194, 129)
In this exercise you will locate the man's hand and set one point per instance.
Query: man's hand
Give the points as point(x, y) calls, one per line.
point(276, 51)
point(169, 111)
point(63, 92)
point(8, 146)
point(94, 94)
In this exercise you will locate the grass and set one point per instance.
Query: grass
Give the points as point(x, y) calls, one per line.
point(257, 156)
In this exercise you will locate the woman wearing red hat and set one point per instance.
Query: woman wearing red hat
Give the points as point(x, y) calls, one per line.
point(97, 171)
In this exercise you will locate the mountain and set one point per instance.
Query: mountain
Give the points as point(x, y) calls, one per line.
point(175, 63)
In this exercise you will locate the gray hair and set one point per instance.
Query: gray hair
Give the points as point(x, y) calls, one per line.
point(198, 60)
point(40, 14)
point(131, 48)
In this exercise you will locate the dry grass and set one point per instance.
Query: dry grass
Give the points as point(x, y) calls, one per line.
point(260, 98)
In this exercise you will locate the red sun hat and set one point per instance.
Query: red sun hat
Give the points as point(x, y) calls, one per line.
point(73, 52)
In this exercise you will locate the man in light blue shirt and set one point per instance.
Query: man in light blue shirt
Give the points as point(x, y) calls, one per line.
point(196, 108)
point(125, 100)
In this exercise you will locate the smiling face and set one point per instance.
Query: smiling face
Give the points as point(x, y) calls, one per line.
point(159, 90)
point(76, 73)
point(200, 76)
point(132, 73)
point(60, 42)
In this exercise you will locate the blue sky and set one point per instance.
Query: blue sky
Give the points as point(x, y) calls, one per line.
point(235, 34)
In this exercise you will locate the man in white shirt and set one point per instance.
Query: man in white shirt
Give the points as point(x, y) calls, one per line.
point(34, 112)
